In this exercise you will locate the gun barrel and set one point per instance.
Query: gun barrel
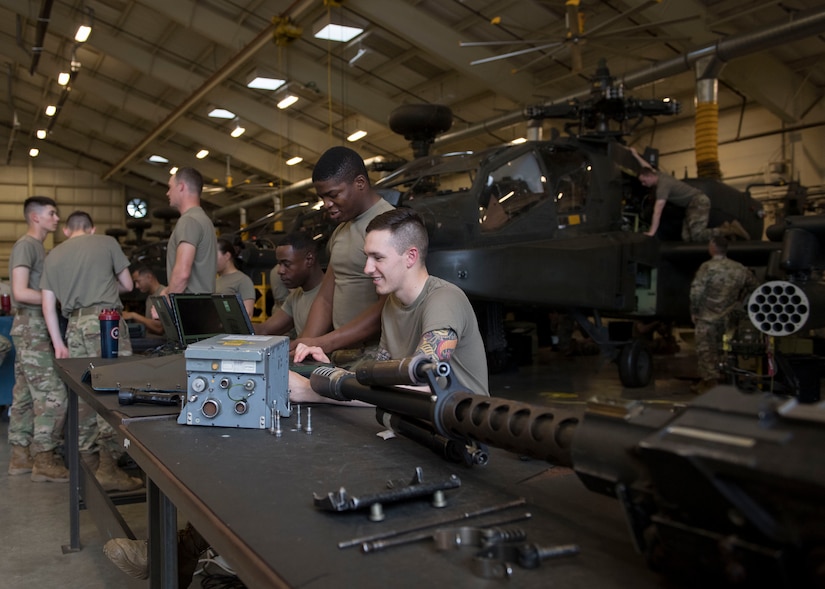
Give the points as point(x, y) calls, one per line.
point(545, 433)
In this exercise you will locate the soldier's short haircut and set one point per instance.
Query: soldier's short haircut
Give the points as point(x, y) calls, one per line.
point(720, 242)
point(407, 229)
point(300, 241)
point(141, 269)
point(36, 202)
point(79, 221)
point(340, 164)
point(191, 178)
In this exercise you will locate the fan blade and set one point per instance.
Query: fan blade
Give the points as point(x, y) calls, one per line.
point(493, 43)
point(641, 28)
point(538, 59)
point(514, 53)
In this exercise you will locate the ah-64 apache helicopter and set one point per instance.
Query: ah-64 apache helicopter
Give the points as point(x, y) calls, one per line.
point(554, 224)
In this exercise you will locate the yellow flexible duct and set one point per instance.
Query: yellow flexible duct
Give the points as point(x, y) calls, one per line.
point(707, 140)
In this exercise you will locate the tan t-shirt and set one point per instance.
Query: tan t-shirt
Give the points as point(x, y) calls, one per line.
point(354, 290)
point(297, 305)
point(194, 227)
point(81, 272)
point(441, 305)
point(29, 252)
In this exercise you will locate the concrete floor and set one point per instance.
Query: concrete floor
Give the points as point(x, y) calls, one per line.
point(34, 516)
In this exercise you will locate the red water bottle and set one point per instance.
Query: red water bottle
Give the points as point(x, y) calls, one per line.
point(109, 332)
point(5, 304)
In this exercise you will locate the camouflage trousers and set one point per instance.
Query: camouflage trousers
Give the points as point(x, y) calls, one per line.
point(708, 340)
point(38, 410)
point(695, 226)
point(83, 341)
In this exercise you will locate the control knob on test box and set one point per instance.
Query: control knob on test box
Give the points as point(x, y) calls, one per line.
point(233, 381)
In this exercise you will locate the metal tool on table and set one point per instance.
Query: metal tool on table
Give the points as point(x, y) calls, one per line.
point(130, 396)
point(497, 560)
point(432, 524)
point(454, 537)
point(341, 500)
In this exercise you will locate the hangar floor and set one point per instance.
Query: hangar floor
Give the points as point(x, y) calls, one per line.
point(35, 520)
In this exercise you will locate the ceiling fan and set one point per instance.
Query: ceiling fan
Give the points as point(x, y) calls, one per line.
point(576, 36)
point(229, 186)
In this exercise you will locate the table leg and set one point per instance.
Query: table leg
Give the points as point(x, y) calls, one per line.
point(75, 476)
point(163, 539)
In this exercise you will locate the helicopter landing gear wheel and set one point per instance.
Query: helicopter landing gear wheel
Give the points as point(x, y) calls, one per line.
point(635, 365)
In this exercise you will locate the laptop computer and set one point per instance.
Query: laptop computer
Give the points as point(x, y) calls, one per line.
point(161, 306)
point(200, 316)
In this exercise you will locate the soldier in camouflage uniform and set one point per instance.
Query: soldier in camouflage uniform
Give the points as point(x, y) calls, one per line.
point(86, 274)
point(38, 410)
point(718, 289)
point(694, 201)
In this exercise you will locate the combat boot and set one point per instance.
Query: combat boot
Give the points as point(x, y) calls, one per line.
point(190, 547)
point(20, 461)
point(91, 460)
point(112, 478)
point(47, 469)
point(738, 230)
point(130, 556)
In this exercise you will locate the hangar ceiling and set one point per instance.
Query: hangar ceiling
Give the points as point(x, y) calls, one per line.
point(152, 70)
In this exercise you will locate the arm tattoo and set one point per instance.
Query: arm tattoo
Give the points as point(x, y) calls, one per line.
point(378, 354)
point(438, 344)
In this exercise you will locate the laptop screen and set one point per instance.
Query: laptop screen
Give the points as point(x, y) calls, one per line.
point(170, 328)
point(200, 316)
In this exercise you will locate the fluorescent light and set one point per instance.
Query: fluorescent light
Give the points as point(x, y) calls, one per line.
point(158, 159)
point(202, 154)
point(51, 110)
point(294, 160)
point(340, 33)
point(518, 141)
point(173, 170)
point(63, 78)
point(221, 113)
point(41, 133)
point(287, 101)
point(359, 134)
point(337, 26)
point(34, 152)
point(264, 83)
point(82, 34)
point(238, 131)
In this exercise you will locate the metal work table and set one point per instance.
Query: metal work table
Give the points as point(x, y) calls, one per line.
point(251, 495)
point(83, 487)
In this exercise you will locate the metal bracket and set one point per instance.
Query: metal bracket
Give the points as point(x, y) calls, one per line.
point(341, 501)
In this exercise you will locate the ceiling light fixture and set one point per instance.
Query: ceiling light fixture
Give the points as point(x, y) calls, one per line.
point(262, 78)
point(359, 54)
point(359, 134)
point(294, 160)
point(518, 141)
point(158, 159)
point(63, 78)
point(263, 82)
point(238, 130)
point(335, 26)
point(221, 113)
point(202, 154)
point(41, 133)
point(287, 101)
point(34, 152)
point(51, 110)
point(82, 34)
point(173, 170)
